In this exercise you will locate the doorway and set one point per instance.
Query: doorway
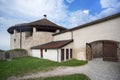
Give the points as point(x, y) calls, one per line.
point(102, 49)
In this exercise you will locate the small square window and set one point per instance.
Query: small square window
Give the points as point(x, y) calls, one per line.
point(45, 50)
point(14, 40)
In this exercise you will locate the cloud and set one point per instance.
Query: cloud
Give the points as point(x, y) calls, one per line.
point(69, 1)
point(109, 3)
point(55, 9)
point(106, 12)
point(79, 17)
point(109, 7)
point(86, 11)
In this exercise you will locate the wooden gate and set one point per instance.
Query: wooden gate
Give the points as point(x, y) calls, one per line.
point(109, 51)
point(88, 52)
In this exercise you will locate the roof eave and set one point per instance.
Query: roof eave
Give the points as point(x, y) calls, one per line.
point(91, 23)
point(35, 47)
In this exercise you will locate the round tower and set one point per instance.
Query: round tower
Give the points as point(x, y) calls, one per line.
point(34, 33)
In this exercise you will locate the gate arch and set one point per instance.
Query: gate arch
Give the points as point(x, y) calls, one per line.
point(107, 49)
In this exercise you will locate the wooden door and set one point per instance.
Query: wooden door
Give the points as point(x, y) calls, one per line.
point(41, 53)
point(67, 54)
point(70, 53)
point(110, 51)
point(62, 54)
point(88, 52)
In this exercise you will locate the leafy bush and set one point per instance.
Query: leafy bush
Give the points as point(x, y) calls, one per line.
point(17, 49)
point(1, 50)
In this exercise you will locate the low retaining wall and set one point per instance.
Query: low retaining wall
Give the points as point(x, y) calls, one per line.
point(16, 54)
point(12, 54)
point(2, 56)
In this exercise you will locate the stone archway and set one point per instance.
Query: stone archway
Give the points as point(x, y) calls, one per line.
point(106, 49)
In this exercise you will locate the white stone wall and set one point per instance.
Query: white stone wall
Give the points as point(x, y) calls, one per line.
point(36, 53)
point(15, 40)
point(42, 37)
point(51, 54)
point(37, 38)
point(107, 30)
point(55, 54)
point(63, 36)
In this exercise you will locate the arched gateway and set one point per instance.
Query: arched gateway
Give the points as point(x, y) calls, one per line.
point(106, 49)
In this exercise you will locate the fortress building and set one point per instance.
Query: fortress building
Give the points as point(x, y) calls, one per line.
point(45, 39)
point(31, 34)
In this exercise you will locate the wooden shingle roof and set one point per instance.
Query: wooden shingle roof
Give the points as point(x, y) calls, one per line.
point(53, 45)
point(42, 25)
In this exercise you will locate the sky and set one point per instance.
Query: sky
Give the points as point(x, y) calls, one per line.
point(67, 13)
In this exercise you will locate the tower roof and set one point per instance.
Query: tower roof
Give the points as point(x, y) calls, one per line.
point(41, 25)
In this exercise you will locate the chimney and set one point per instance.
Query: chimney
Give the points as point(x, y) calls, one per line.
point(45, 16)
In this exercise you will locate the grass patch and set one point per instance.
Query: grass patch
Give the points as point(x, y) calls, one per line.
point(24, 65)
point(73, 62)
point(67, 77)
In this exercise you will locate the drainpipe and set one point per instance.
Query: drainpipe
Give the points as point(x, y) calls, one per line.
point(20, 37)
point(71, 35)
point(57, 55)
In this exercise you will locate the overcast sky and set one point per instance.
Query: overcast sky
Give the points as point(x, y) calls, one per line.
point(67, 13)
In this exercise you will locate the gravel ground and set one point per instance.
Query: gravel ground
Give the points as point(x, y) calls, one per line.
point(95, 70)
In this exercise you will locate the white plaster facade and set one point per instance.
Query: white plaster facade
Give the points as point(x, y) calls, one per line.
point(69, 46)
point(107, 30)
point(36, 53)
point(52, 54)
point(63, 36)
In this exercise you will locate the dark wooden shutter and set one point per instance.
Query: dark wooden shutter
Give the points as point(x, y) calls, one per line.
point(70, 53)
point(62, 54)
point(109, 51)
point(67, 54)
point(41, 53)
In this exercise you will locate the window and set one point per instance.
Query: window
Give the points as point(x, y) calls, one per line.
point(45, 50)
point(14, 40)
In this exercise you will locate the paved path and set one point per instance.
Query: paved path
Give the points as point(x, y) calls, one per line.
point(95, 70)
